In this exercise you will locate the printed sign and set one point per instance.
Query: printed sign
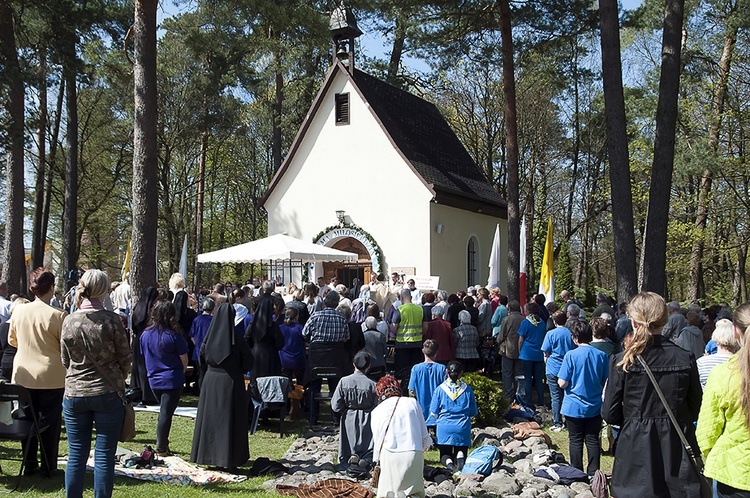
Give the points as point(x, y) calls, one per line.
point(424, 283)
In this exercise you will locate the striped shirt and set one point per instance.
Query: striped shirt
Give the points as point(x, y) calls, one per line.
point(707, 362)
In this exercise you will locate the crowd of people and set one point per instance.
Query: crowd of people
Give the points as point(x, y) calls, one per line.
point(594, 372)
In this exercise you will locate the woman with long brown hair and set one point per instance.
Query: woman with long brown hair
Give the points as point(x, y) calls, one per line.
point(166, 354)
point(724, 422)
point(650, 459)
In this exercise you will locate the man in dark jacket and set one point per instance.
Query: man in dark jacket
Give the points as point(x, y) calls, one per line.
point(508, 344)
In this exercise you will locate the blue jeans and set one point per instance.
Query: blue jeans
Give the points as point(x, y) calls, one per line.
point(105, 412)
point(168, 400)
point(556, 394)
point(533, 371)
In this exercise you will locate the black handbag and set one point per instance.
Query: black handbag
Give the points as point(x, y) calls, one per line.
point(695, 457)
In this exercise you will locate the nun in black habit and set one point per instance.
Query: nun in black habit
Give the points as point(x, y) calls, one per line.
point(138, 375)
point(220, 437)
point(264, 336)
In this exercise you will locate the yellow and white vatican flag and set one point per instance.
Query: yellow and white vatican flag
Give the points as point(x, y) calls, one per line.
point(126, 263)
point(547, 280)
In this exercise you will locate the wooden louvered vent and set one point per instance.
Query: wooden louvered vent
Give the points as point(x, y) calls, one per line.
point(342, 109)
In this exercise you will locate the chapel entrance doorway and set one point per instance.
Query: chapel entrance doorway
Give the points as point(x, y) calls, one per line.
point(348, 272)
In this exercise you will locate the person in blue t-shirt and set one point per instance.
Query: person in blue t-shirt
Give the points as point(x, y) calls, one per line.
point(292, 355)
point(166, 354)
point(453, 405)
point(531, 335)
point(557, 342)
point(198, 331)
point(582, 374)
point(425, 377)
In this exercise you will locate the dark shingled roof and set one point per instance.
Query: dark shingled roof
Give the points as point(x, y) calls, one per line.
point(428, 142)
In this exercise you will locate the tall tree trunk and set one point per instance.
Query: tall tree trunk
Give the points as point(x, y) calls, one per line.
point(511, 143)
point(576, 144)
point(617, 149)
point(399, 39)
point(201, 193)
point(70, 220)
point(655, 245)
point(37, 238)
point(277, 110)
point(14, 267)
point(145, 188)
point(740, 275)
point(54, 140)
point(701, 216)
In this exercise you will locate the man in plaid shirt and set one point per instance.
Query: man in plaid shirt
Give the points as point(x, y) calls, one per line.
point(328, 334)
point(327, 325)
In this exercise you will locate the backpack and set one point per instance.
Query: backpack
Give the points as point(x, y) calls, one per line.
point(483, 460)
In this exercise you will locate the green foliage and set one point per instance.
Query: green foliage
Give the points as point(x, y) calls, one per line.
point(490, 400)
point(564, 269)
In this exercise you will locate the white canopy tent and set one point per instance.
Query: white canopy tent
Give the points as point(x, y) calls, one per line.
point(277, 248)
point(280, 254)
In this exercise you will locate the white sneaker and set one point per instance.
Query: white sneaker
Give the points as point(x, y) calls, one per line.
point(557, 428)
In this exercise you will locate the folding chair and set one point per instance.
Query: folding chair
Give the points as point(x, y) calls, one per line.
point(321, 373)
point(274, 392)
point(22, 429)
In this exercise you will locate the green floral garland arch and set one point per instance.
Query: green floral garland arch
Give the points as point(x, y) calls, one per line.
point(377, 261)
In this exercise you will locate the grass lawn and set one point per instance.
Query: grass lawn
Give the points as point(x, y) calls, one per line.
point(266, 442)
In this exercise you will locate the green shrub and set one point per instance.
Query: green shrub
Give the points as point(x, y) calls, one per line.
point(490, 400)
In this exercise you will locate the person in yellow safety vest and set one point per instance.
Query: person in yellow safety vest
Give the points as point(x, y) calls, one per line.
point(408, 325)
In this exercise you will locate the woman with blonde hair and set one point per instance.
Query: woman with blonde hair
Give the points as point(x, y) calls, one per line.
point(724, 419)
point(96, 355)
point(650, 459)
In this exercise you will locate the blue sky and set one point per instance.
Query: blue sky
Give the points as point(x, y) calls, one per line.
point(372, 44)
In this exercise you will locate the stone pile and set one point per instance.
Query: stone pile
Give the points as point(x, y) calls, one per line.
point(312, 458)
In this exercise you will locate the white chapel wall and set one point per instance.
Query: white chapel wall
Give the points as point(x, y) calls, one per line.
point(354, 168)
point(448, 255)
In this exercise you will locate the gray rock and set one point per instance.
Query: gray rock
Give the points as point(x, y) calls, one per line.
point(524, 466)
point(519, 454)
point(515, 444)
point(446, 487)
point(501, 485)
point(560, 491)
point(538, 448)
point(580, 487)
point(534, 441)
point(529, 493)
point(468, 487)
point(585, 494)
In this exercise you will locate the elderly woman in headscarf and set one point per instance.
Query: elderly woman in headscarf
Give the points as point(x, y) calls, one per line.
point(265, 339)
point(220, 437)
point(138, 375)
point(400, 439)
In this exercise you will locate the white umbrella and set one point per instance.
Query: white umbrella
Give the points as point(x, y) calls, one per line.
point(495, 263)
point(277, 248)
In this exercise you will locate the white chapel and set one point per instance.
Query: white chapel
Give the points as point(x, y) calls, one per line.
point(378, 171)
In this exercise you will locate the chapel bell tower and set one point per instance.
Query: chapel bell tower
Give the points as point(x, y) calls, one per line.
point(344, 29)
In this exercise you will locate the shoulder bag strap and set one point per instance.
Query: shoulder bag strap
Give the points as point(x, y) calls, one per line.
point(696, 458)
point(82, 345)
point(389, 425)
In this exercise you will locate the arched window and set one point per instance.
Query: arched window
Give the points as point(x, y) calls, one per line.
point(471, 261)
